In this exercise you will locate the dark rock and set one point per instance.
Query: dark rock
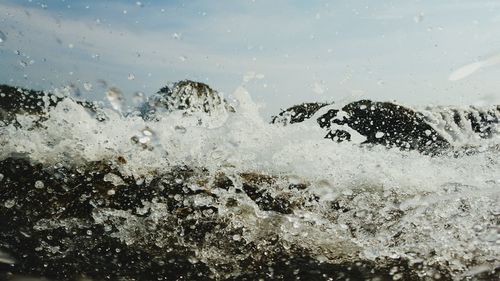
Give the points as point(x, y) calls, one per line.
point(388, 124)
point(393, 125)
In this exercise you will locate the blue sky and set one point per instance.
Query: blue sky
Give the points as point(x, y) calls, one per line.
point(297, 50)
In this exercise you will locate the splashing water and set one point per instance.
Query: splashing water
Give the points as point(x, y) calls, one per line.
point(358, 202)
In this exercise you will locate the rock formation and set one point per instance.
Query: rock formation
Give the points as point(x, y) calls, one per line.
point(393, 125)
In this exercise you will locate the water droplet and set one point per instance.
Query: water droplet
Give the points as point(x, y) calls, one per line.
point(6, 259)
point(111, 192)
point(89, 232)
point(23, 63)
point(180, 129)
point(418, 18)
point(3, 38)
point(236, 237)
point(10, 203)
point(1, 177)
point(144, 140)
point(138, 98)
point(39, 184)
point(131, 76)
point(183, 58)
point(115, 98)
point(139, 4)
point(71, 46)
point(379, 135)
point(114, 179)
point(125, 12)
point(87, 86)
point(147, 132)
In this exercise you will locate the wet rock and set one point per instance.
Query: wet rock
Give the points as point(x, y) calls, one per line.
point(20, 101)
point(429, 131)
point(297, 113)
point(387, 124)
point(187, 96)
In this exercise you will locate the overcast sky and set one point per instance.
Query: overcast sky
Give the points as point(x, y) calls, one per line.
point(297, 50)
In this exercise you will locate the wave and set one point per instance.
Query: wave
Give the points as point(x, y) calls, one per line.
point(189, 185)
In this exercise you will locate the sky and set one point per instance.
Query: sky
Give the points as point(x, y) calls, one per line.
point(284, 52)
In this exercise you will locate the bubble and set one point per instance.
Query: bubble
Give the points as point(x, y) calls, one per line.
point(39, 184)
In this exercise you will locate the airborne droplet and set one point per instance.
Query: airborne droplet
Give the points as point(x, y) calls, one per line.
point(115, 98)
point(87, 86)
point(3, 38)
point(39, 184)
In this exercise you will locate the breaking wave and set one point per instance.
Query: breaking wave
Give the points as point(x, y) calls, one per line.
point(228, 195)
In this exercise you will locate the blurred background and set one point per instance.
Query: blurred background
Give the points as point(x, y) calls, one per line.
point(284, 52)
